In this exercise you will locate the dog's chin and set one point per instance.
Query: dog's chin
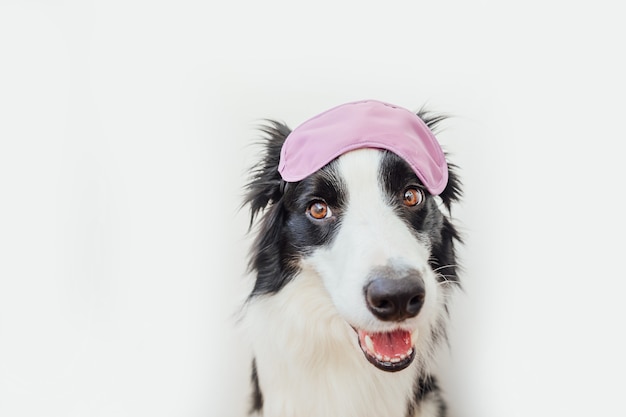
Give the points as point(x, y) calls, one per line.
point(389, 351)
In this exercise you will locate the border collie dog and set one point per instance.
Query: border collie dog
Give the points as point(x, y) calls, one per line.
point(354, 263)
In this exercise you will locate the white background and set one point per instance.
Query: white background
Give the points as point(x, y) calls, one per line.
point(126, 131)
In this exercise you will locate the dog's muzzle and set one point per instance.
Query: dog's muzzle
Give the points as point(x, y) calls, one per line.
point(392, 299)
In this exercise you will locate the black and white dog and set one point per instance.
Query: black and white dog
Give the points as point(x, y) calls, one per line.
point(354, 265)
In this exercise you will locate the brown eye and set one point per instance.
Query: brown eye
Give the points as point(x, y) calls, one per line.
point(413, 197)
point(319, 210)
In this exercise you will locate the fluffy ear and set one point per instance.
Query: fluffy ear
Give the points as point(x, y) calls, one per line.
point(446, 259)
point(265, 185)
point(453, 190)
point(269, 259)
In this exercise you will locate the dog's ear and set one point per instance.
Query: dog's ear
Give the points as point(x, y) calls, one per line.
point(453, 190)
point(266, 185)
point(264, 194)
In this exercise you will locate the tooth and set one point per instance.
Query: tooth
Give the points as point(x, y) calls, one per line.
point(379, 356)
point(403, 356)
point(368, 343)
point(386, 358)
point(395, 360)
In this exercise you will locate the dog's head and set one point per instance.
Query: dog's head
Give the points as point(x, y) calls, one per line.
point(381, 243)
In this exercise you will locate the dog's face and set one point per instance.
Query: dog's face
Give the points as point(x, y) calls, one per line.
point(378, 241)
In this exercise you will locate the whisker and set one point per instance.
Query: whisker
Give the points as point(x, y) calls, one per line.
point(445, 266)
point(446, 280)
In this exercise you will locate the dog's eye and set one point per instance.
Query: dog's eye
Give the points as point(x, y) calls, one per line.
point(413, 197)
point(319, 210)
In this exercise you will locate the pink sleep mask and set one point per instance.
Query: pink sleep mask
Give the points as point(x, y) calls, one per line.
point(364, 124)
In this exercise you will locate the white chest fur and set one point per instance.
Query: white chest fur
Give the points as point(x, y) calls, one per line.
point(309, 363)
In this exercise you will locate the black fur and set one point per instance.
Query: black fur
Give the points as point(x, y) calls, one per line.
point(426, 387)
point(285, 233)
point(257, 396)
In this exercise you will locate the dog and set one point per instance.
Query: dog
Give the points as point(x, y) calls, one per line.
point(353, 263)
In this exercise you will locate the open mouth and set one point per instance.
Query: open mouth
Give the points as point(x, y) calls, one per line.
point(390, 351)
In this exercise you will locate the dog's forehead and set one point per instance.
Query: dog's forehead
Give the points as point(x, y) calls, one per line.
point(365, 174)
point(364, 124)
point(360, 164)
point(368, 167)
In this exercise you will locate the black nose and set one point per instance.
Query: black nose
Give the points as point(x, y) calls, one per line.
point(396, 299)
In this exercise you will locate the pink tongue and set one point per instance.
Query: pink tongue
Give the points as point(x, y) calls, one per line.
point(391, 344)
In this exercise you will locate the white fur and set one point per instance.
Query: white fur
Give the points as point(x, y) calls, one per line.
point(307, 354)
point(309, 362)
